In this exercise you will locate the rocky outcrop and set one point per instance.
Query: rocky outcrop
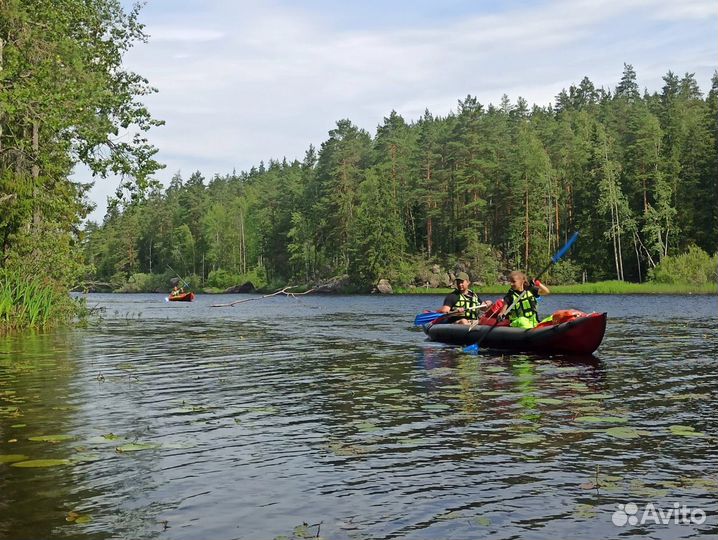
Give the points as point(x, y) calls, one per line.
point(333, 285)
point(247, 287)
point(384, 287)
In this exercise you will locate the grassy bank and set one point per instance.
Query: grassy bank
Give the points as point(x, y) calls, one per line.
point(30, 302)
point(600, 287)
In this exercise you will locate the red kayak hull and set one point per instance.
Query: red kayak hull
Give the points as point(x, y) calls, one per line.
point(579, 336)
point(186, 297)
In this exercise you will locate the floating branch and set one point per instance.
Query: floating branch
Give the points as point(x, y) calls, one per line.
point(280, 291)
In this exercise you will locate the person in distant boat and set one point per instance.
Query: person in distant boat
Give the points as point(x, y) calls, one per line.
point(521, 299)
point(177, 291)
point(463, 300)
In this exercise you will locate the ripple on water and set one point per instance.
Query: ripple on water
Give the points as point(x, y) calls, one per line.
point(220, 423)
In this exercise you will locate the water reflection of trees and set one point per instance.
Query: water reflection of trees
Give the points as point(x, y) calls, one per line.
point(36, 371)
point(515, 391)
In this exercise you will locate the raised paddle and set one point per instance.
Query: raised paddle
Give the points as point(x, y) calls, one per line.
point(180, 278)
point(560, 253)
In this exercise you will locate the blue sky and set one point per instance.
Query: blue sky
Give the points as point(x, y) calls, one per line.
point(240, 81)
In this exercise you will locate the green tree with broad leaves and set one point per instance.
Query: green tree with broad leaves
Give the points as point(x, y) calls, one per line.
point(65, 99)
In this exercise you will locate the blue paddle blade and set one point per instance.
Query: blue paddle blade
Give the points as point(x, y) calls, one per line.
point(565, 248)
point(425, 318)
point(471, 349)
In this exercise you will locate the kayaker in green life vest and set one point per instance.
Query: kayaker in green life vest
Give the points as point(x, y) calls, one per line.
point(522, 296)
point(463, 300)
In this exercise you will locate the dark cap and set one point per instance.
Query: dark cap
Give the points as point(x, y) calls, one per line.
point(462, 276)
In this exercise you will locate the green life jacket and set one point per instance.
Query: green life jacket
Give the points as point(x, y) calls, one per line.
point(526, 307)
point(470, 300)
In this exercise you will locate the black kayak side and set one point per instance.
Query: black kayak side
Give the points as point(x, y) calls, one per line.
point(578, 336)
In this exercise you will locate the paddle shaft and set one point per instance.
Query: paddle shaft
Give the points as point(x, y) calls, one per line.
point(455, 312)
point(560, 253)
point(180, 277)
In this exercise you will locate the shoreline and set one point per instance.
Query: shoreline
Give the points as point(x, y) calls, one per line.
point(602, 287)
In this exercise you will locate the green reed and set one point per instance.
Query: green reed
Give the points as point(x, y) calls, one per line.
point(32, 302)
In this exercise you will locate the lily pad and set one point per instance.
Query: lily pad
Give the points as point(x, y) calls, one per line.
point(549, 401)
point(482, 520)
point(685, 431)
point(51, 438)
point(10, 411)
point(302, 531)
point(136, 447)
point(395, 407)
point(16, 426)
point(451, 515)
point(709, 483)
point(682, 397)
point(41, 463)
point(624, 432)
point(601, 419)
point(12, 458)
point(585, 511)
point(366, 426)
point(579, 387)
point(436, 407)
point(103, 439)
point(527, 439)
point(583, 401)
point(597, 396)
point(341, 449)
point(126, 366)
point(74, 517)
point(188, 409)
point(648, 492)
point(390, 391)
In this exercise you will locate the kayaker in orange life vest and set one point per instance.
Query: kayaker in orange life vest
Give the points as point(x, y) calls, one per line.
point(463, 300)
point(522, 296)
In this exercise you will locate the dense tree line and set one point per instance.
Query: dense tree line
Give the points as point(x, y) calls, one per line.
point(65, 99)
point(500, 186)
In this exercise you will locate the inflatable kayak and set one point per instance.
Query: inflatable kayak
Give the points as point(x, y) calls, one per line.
point(574, 333)
point(185, 297)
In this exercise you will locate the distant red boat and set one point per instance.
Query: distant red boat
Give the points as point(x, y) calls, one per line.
point(184, 297)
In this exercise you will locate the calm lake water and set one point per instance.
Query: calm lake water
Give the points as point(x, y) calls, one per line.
point(183, 421)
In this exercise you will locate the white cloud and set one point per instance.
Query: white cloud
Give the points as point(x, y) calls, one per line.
point(686, 9)
point(163, 33)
